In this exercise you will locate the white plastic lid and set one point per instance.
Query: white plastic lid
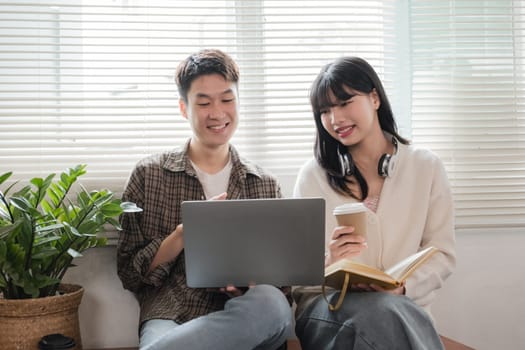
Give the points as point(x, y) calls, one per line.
point(349, 208)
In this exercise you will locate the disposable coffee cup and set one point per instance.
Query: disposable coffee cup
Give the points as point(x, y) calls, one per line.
point(352, 214)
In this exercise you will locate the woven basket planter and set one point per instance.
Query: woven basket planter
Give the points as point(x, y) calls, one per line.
point(23, 322)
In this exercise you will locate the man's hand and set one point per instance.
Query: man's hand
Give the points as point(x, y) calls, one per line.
point(219, 197)
point(233, 291)
point(173, 244)
point(170, 248)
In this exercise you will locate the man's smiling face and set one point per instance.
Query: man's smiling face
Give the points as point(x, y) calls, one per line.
point(211, 110)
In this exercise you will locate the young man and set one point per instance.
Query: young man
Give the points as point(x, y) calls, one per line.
point(150, 250)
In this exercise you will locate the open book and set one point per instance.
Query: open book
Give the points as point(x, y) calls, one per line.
point(345, 272)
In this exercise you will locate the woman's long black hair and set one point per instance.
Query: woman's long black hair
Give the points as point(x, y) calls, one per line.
point(355, 74)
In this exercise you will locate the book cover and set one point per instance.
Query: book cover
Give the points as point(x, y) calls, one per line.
point(344, 272)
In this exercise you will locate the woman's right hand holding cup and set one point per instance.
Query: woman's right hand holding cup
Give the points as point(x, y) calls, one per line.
point(349, 238)
point(344, 244)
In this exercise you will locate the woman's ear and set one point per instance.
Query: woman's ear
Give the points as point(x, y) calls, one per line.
point(375, 98)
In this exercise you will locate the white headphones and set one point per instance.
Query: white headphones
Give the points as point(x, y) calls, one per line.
point(387, 162)
point(385, 167)
point(344, 161)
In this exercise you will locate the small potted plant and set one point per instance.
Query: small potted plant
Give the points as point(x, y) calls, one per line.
point(44, 225)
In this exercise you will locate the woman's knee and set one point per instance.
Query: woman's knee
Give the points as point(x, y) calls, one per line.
point(387, 301)
point(372, 318)
point(365, 307)
point(398, 307)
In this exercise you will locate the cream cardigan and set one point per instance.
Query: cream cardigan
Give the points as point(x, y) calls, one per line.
point(415, 210)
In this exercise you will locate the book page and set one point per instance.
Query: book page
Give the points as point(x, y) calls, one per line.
point(399, 270)
point(357, 269)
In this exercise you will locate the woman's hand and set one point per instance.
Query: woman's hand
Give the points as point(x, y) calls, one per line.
point(344, 244)
point(361, 287)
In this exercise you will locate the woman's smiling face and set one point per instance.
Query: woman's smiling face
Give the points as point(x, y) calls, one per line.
point(351, 120)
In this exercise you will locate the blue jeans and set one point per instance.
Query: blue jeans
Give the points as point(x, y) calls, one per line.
point(365, 321)
point(259, 319)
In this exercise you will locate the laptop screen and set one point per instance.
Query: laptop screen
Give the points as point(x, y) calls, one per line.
point(260, 241)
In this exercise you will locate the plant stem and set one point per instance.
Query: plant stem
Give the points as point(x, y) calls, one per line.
point(64, 194)
point(29, 252)
point(63, 269)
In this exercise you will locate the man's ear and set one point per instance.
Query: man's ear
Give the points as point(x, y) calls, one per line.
point(182, 107)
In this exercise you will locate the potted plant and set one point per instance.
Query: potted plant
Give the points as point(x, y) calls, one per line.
point(43, 227)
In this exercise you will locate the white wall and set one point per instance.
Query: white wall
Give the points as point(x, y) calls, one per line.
point(482, 303)
point(108, 313)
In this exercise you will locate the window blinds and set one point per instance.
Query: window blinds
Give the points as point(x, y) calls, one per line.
point(468, 99)
point(92, 82)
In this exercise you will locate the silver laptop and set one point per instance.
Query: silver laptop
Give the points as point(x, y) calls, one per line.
point(261, 241)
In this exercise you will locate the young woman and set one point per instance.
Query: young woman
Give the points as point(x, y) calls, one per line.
point(360, 157)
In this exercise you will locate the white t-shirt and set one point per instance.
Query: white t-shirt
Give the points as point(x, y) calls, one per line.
point(214, 184)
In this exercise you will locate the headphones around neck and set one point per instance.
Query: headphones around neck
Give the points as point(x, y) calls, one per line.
point(385, 167)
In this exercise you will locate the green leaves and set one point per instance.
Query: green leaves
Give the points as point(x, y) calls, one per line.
point(45, 225)
point(5, 176)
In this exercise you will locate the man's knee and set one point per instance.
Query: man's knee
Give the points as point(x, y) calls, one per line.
point(270, 300)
